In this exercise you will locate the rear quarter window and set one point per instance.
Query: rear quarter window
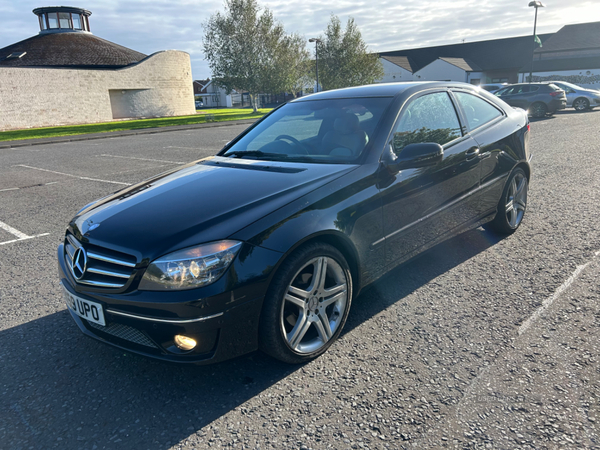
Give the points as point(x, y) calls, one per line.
point(478, 112)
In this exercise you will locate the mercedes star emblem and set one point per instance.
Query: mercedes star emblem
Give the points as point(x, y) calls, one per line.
point(79, 263)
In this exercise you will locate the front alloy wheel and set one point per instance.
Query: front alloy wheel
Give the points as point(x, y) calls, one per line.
point(307, 304)
point(314, 305)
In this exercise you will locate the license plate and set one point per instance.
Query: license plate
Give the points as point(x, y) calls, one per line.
point(85, 309)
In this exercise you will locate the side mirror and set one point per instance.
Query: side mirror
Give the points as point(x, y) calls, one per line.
point(414, 156)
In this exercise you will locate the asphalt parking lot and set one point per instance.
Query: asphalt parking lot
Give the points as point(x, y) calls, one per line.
point(479, 343)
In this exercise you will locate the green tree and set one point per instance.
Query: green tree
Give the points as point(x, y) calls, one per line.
point(344, 59)
point(241, 46)
point(293, 65)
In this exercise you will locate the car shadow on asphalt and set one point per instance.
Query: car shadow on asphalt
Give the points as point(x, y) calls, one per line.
point(562, 112)
point(417, 272)
point(62, 389)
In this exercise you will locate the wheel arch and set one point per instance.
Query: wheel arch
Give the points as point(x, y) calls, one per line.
point(337, 240)
point(526, 168)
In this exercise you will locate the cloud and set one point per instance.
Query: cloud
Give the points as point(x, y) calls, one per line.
point(386, 25)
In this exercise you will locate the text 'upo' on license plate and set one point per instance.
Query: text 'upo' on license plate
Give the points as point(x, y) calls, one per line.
point(85, 309)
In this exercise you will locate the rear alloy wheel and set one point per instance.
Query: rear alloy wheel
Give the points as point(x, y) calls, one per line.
point(512, 204)
point(538, 110)
point(581, 104)
point(307, 304)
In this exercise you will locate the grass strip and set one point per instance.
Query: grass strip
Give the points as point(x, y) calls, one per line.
point(202, 116)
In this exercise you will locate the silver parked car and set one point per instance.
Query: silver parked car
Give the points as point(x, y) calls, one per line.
point(578, 97)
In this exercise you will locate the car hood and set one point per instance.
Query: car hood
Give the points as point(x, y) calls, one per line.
point(201, 202)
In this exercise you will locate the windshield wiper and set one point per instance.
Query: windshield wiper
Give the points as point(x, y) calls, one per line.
point(255, 153)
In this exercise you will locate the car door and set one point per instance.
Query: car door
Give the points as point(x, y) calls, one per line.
point(508, 94)
point(521, 96)
point(486, 124)
point(423, 204)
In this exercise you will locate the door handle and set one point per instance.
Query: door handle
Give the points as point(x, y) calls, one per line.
point(472, 153)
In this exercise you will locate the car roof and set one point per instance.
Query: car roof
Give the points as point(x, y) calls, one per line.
point(379, 90)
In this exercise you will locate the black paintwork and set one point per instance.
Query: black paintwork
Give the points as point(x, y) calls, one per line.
point(377, 215)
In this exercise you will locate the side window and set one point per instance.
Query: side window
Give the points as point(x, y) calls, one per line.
point(506, 91)
point(533, 88)
point(477, 110)
point(430, 118)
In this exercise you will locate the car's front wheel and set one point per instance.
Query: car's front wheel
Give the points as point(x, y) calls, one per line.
point(306, 305)
point(512, 204)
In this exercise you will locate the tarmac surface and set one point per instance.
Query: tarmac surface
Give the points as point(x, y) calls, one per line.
point(481, 342)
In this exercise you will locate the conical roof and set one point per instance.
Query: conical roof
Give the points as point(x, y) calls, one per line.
point(68, 49)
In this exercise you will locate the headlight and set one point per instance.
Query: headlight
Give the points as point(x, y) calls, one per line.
point(190, 268)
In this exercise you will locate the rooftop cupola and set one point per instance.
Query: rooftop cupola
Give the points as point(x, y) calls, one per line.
point(61, 19)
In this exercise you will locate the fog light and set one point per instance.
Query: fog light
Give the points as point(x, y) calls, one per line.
point(184, 342)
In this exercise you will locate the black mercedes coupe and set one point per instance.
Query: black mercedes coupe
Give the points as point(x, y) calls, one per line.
point(266, 245)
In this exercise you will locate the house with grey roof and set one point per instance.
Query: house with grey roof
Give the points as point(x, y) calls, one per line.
point(66, 75)
point(480, 62)
point(449, 69)
point(571, 54)
point(396, 68)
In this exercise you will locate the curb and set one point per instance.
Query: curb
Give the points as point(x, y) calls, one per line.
point(110, 134)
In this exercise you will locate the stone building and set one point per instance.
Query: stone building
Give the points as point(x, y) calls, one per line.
point(66, 75)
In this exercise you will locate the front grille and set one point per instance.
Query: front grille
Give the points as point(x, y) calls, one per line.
point(104, 268)
point(125, 332)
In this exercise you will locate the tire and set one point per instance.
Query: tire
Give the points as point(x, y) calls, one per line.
point(538, 109)
point(304, 312)
point(512, 204)
point(581, 104)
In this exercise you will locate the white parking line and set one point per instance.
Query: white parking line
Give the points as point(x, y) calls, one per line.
point(143, 159)
point(548, 302)
point(25, 187)
point(74, 176)
point(13, 231)
point(20, 236)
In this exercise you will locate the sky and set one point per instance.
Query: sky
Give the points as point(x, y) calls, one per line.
point(149, 26)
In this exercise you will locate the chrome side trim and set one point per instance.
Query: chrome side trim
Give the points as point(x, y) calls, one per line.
point(431, 214)
point(108, 273)
point(153, 319)
point(110, 260)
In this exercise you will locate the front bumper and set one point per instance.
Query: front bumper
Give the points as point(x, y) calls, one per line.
point(224, 324)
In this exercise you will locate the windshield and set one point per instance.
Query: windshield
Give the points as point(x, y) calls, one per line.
point(326, 131)
point(564, 83)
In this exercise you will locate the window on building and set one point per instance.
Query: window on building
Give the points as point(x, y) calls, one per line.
point(42, 18)
point(76, 21)
point(476, 81)
point(52, 20)
point(65, 20)
point(500, 80)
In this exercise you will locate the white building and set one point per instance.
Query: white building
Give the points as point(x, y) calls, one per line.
point(572, 54)
point(449, 69)
point(65, 75)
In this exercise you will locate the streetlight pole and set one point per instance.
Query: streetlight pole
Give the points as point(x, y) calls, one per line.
point(536, 4)
point(317, 42)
